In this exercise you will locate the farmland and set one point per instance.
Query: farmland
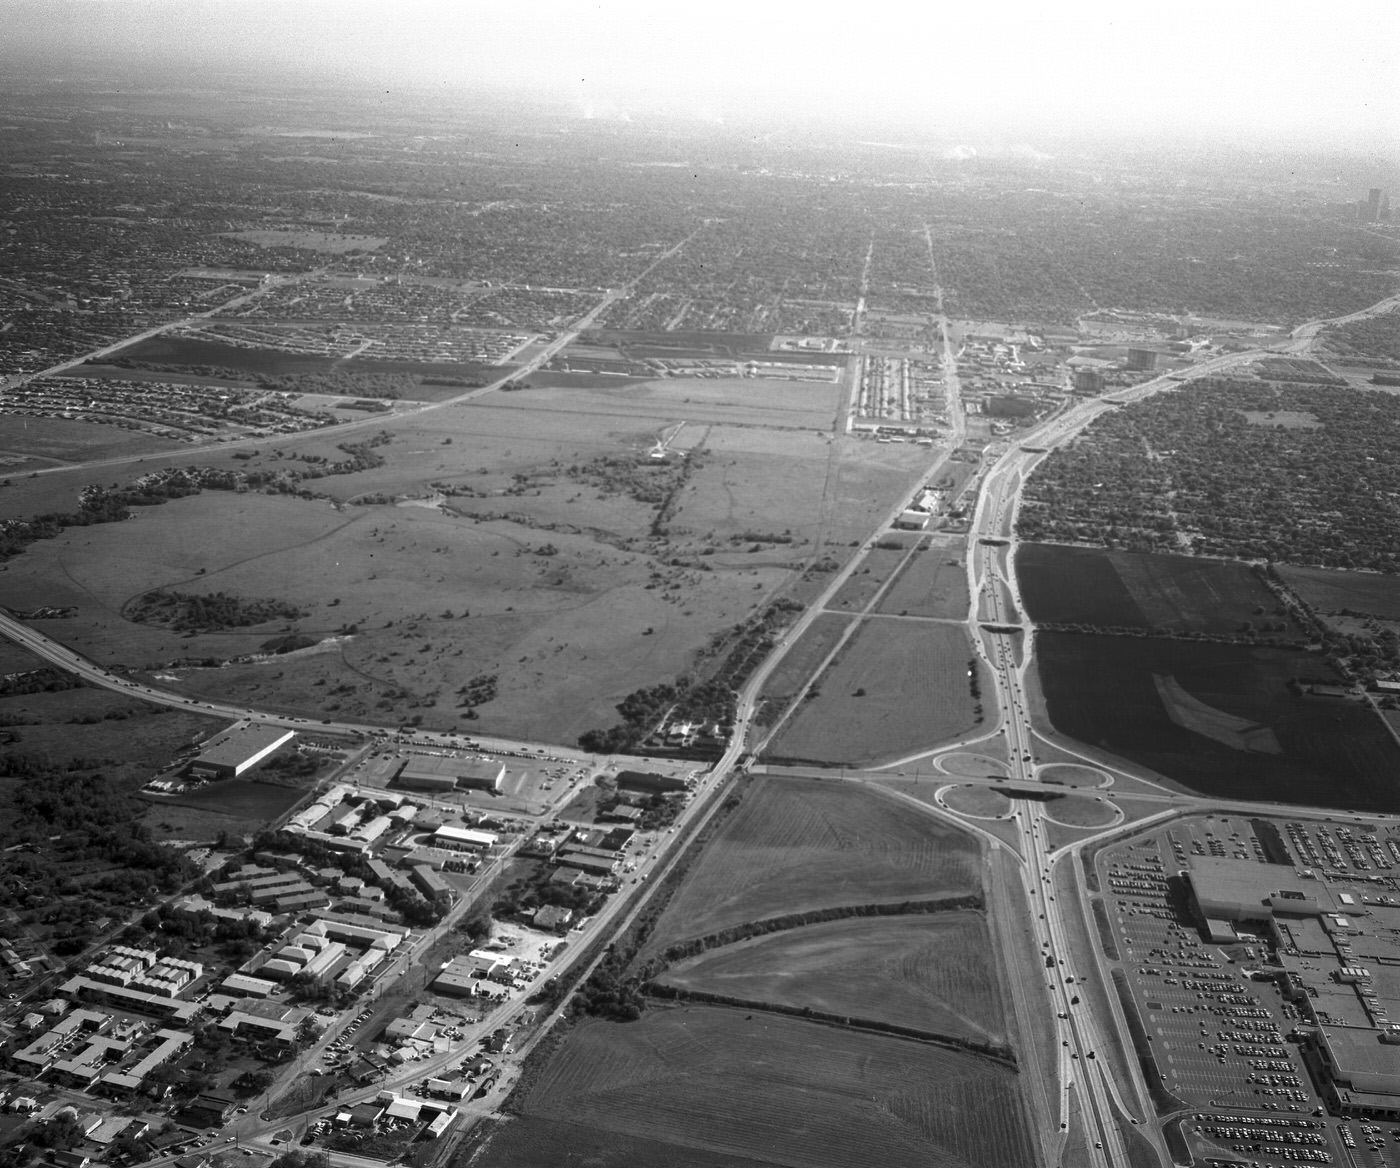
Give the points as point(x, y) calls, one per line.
point(775, 1091)
point(898, 686)
point(1159, 593)
point(931, 973)
point(798, 845)
point(1325, 590)
point(1219, 719)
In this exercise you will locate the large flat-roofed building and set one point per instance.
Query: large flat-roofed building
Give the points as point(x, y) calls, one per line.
point(239, 749)
point(463, 839)
point(439, 773)
point(1242, 890)
point(650, 781)
point(1362, 1070)
point(1336, 945)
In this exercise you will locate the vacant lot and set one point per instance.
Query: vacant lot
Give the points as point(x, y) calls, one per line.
point(493, 539)
point(803, 659)
point(750, 401)
point(1219, 719)
point(898, 686)
point(168, 349)
point(1329, 590)
point(1090, 586)
point(90, 729)
point(934, 973)
point(774, 1091)
point(865, 582)
point(795, 845)
point(932, 583)
point(241, 797)
point(28, 444)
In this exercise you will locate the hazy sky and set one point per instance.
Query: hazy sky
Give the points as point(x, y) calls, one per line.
point(1281, 67)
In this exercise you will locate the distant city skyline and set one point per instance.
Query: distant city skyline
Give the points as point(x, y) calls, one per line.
point(1280, 72)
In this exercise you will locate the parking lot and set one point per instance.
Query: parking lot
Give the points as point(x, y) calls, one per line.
point(1223, 1037)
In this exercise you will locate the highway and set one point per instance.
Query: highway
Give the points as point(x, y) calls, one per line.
point(1001, 631)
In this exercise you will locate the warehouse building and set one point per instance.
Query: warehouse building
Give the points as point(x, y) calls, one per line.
point(239, 749)
point(441, 773)
point(462, 839)
point(650, 781)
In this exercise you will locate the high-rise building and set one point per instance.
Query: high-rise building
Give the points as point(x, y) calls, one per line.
point(1142, 360)
point(1088, 381)
point(1374, 207)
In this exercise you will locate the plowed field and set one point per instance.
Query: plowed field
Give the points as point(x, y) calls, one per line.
point(796, 845)
point(932, 973)
point(712, 1083)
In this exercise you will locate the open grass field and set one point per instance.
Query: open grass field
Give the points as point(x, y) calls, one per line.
point(1068, 774)
point(934, 973)
point(750, 401)
point(972, 799)
point(804, 658)
point(1219, 719)
point(795, 845)
point(772, 1090)
point(482, 544)
point(1081, 811)
point(897, 687)
point(177, 350)
point(1329, 590)
point(91, 729)
point(932, 583)
point(562, 1144)
point(861, 587)
point(29, 444)
point(1091, 586)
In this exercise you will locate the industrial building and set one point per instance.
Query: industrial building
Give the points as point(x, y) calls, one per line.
point(651, 782)
point(239, 749)
point(444, 773)
point(462, 839)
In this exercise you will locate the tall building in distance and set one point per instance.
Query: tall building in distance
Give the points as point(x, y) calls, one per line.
point(1374, 207)
point(1142, 360)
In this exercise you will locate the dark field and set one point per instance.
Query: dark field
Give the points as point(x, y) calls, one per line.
point(187, 351)
point(1220, 719)
point(238, 797)
point(712, 1086)
point(1329, 590)
point(1091, 586)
